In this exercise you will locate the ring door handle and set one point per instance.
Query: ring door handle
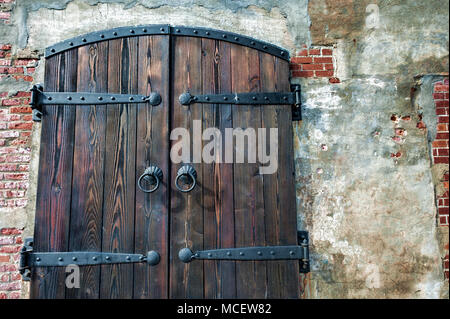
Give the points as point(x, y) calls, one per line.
point(153, 175)
point(188, 176)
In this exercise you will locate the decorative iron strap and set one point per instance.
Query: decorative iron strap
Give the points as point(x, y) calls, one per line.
point(293, 252)
point(239, 98)
point(30, 259)
point(39, 98)
point(166, 29)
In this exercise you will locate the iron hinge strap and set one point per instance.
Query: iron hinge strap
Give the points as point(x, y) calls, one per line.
point(256, 98)
point(40, 98)
point(292, 252)
point(30, 259)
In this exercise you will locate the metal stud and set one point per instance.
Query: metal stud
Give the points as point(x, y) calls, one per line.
point(195, 31)
point(69, 98)
point(114, 33)
point(141, 258)
point(225, 98)
point(108, 258)
point(38, 259)
point(82, 98)
point(254, 98)
point(291, 252)
point(265, 47)
point(252, 42)
point(71, 43)
point(102, 36)
point(272, 252)
point(53, 50)
point(100, 98)
point(224, 36)
point(113, 98)
point(131, 31)
point(259, 253)
point(144, 30)
point(229, 253)
point(285, 98)
point(74, 258)
point(209, 255)
point(84, 40)
point(266, 98)
point(282, 52)
point(49, 98)
point(236, 38)
point(162, 29)
point(241, 253)
point(94, 258)
point(128, 258)
point(131, 98)
point(207, 33)
point(178, 30)
point(60, 259)
point(207, 98)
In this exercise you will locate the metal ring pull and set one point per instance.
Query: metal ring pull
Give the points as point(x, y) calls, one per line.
point(153, 172)
point(188, 175)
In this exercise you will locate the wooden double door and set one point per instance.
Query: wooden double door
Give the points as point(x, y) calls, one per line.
point(91, 158)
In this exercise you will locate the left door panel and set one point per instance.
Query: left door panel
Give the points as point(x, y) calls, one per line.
point(91, 159)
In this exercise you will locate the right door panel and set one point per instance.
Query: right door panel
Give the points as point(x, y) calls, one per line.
point(233, 205)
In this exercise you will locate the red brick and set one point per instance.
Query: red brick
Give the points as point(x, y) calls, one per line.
point(4, 258)
point(20, 109)
point(26, 78)
point(442, 119)
point(441, 111)
point(10, 231)
point(301, 60)
point(11, 70)
point(314, 51)
point(442, 127)
point(23, 94)
point(10, 286)
point(443, 210)
point(442, 151)
point(311, 67)
point(20, 126)
point(5, 15)
point(441, 88)
point(25, 62)
point(323, 60)
point(9, 102)
point(303, 74)
point(327, 51)
point(441, 160)
point(324, 73)
point(329, 66)
point(9, 249)
point(5, 62)
point(438, 96)
point(5, 47)
point(440, 143)
point(443, 220)
point(334, 80)
point(441, 103)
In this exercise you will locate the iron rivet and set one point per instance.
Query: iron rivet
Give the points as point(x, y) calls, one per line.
point(143, 98)
point(113, 98)
point(74, 258)
point(49, 98)
point(285, 98)
point(282, 53)
point(144, 30)
point(209, 254)
point(252, 43)
point(60, 259)
point(69, 98)
point(82, 98)
point(207, 98)
point(84, 40)
point(241, 253)
point(141, 257)
point(131, 98)
point(225, 98)
point(265, 47)
point(107, 258)
point(207, 33)
point(102, 36)
point(131, 31)
point(228, 253)
point(128, 258)
point(259, 253)
point(291, 252)
point(272, 252)
point(38, 259)
point(100, 98)
point(53, 50)
point(196, 255)
point(70, 43)
point(94, 258)
point(266, 98)
point(224, 36)
point(162, 29)
point(177, 30)
point(114, 33)
point(254, 98)
point(305, 266)
point(195, 31)
point(236, 38)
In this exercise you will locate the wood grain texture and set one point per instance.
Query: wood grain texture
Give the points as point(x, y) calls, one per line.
point(251, 281)
point(186, 228)
point(120, 172)
point(152, 148)
point(87, 187)
point(55, 177)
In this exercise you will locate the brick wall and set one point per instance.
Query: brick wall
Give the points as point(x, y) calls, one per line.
point(15, 154)
point(440, 156)
point(314, 62)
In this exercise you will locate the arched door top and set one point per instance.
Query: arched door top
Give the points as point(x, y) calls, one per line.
point(162, 29)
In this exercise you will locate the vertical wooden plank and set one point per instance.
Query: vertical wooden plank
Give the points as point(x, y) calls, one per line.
point(55, 176)
point(120, 151)
point(287, 198)
point(186, 228)
point(87, 186)
point(251, 281)
point(217, 176)
point(279, 199)
point(151, 225)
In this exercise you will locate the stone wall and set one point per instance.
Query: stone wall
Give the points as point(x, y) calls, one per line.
point(371, 179)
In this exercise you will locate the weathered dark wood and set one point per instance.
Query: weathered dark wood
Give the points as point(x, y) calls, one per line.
point(55, 176)
point(186, 212)
point(151, 232)
point(87, 187)
point(120, 173)
point(279, 198)
point(251, 281)
point(218, 212)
